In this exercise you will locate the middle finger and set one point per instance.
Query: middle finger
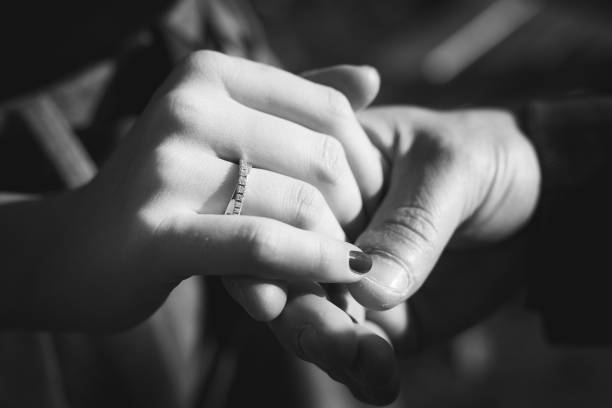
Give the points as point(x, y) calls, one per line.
point(282, 146)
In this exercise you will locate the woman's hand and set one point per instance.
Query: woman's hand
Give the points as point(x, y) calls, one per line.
point(152, 217)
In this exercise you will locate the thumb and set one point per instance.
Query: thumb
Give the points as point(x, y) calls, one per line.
point(422, 209)
point(360, 84)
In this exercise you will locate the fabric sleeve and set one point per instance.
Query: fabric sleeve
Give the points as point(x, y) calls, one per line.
point(568, 282)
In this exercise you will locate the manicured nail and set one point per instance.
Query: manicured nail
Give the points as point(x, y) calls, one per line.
point(360, 262)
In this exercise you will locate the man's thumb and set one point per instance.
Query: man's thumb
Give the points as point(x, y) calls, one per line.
point(408, 232)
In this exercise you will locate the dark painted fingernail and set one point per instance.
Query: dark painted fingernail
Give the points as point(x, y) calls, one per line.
point(360, 262)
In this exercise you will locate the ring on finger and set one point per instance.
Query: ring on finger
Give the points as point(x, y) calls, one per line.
point(234, 207)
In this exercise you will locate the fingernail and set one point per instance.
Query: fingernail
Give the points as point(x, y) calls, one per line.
point(389, 283)
point(374, 371)
point(360, 262)
point(391, 272)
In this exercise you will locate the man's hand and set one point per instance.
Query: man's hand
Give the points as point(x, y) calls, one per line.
point(470, 176)
point(465, 180)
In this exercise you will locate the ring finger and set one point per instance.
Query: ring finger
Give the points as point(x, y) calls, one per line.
point(272, 195)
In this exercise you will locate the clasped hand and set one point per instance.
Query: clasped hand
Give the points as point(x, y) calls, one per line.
point(400, 182)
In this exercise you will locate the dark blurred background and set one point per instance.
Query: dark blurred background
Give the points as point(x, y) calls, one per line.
point(457, 53)
point(436, 53)
point(448, 53)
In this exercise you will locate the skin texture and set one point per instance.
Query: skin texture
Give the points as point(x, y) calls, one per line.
point(464, 181)
point(413, 183)
point(151, 217)
point(466, 175)
point(264, 300)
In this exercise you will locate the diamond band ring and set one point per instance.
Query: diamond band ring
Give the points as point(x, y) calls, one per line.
point(234, 207)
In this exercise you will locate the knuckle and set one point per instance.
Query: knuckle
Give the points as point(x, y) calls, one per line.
point(443, 150)
point(169, 160)
point(202, 59)
point(330, 162)
point(308, 204)
point(176, 115)
point(438, 145)
point(338, 103)
point(179, 105)
point(204, 63)
point(261, 243)
point(159, 227)
point(183, 110)
point(413, 225)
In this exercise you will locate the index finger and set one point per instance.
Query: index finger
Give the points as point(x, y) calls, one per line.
point(195, 244)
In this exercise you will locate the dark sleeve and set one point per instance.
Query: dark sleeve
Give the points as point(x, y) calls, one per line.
point(572, 246)
point(43, 40)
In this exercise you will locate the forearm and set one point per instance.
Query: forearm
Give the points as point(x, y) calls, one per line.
point(34, 235)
